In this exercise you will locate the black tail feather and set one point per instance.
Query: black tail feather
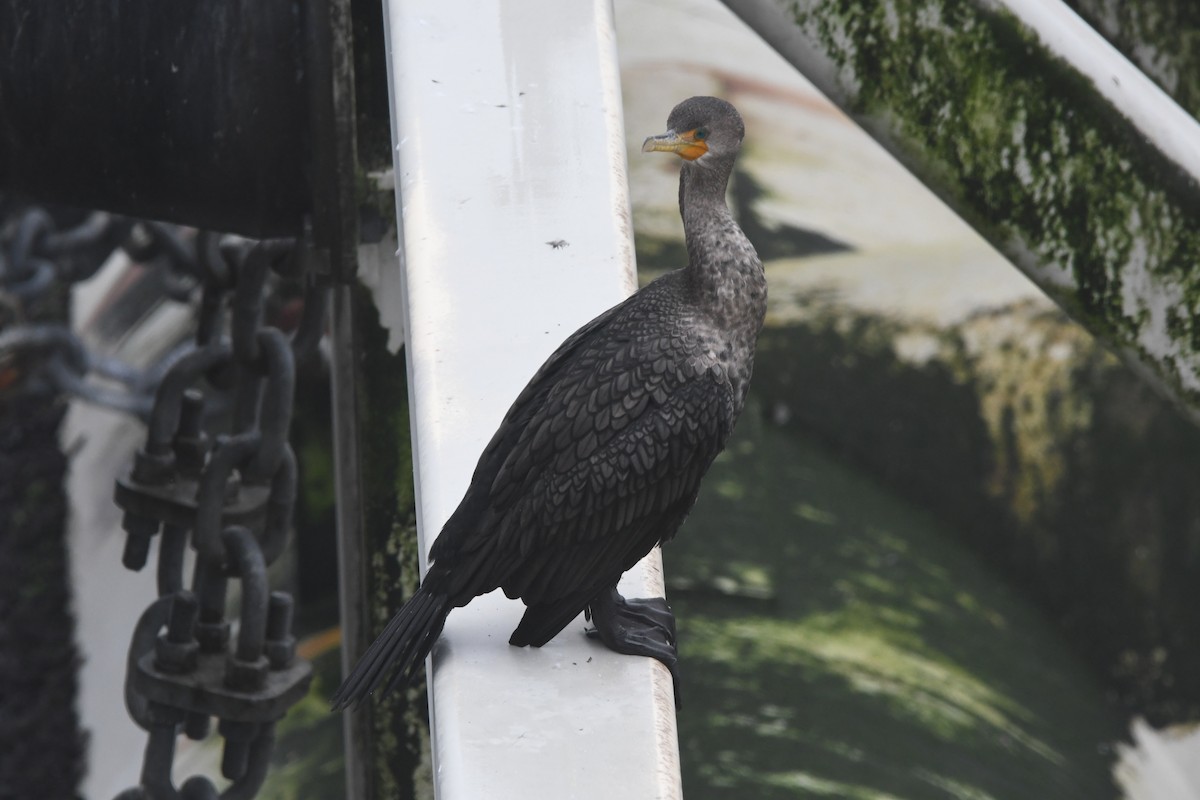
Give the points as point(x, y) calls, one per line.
point(544, 621)
point(400, 649)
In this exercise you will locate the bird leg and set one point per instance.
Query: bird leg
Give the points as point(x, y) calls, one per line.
point(636, 627)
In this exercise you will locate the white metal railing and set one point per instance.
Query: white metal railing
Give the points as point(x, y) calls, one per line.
point(514, 227)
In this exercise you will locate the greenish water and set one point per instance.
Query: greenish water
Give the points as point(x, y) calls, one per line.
point(838, 642)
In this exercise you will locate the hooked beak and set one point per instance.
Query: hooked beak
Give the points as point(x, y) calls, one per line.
point(684, 145)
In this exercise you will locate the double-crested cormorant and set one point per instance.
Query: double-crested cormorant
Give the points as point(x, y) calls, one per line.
point(600, 457)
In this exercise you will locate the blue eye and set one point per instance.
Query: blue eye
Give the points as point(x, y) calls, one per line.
point(701, 134)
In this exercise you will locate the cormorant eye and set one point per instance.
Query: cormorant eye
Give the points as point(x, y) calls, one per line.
point(701, 134)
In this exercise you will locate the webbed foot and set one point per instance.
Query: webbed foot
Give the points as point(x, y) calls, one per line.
point(637, 627)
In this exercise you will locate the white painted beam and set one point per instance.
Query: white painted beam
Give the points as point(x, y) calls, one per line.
point(507, 127)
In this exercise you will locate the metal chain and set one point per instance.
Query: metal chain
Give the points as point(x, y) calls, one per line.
point(38, 257)
point(233, 493)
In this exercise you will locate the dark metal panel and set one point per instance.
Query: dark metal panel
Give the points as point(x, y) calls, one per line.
point(190, 111)
point(386, 739)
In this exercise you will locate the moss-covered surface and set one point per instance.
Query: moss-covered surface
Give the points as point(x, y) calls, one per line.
point(1027, 151)
point(1042, 452)
point(400, 755)
point(837, 642)
point(372, 110)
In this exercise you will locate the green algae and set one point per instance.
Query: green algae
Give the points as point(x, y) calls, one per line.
point(1028, 151)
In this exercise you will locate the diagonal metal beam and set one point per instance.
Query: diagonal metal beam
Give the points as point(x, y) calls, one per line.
point(1041, 135)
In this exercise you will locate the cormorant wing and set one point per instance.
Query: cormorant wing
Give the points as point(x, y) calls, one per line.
point(598, 460)
point(598, 497)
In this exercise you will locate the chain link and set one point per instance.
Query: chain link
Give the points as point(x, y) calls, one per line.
point(38, 258)
point(233, 492)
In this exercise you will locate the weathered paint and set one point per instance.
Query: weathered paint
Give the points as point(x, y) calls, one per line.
point(1043, 160)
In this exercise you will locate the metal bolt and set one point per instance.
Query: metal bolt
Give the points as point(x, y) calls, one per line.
point(184, 610)
point(236, 757)
point(246, 676)
point(281, 645)
point(177, 649)
point(196, 725)
point(212, 631)
point(153, 469)
point(139, 531)
point(191, 412)
point(212, 636)
point(191, 442)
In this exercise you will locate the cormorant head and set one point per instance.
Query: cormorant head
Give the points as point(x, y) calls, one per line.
point(700, 128)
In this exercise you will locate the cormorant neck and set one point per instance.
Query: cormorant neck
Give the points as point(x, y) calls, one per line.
point(702, 192)
point(724, 275)
point(716, 245)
